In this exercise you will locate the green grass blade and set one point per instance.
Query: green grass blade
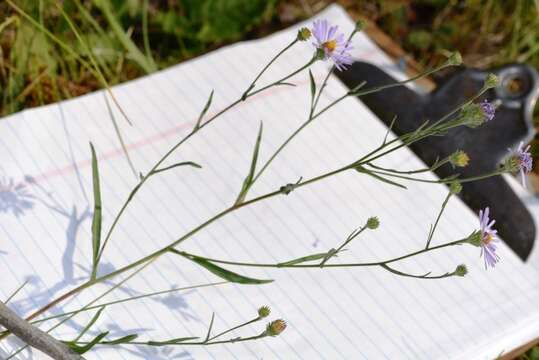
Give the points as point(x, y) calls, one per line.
point(127, 43)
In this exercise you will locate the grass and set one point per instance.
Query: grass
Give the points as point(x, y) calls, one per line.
point(131, 38)
point(91, 44)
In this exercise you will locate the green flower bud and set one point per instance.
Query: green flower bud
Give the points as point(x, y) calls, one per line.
point(454, 59)
point(461, 270)
point(491, 81)
point(373, 223)
point(455, 187)
point(275, 327)
point(459, 159)
point(511, 164)
point(264, 311)
point(472, 115)
point(360, 24)
point(304, 34)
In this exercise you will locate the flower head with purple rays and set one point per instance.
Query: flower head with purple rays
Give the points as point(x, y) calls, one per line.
point(488, 238)
point(331, 45)
point(525, 161)
point(489, 109)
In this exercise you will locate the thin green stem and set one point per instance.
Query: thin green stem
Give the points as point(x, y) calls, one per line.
point(443, 181)
point(234, 328)
point(80, 310)
point(252, 84)
point(180, 143)
point(351, 237)
point(303, 266)
point(433, 229)
point(425, 133)
point(437, 165)
point(14, 293)
point(138, 297)
point(204, 343)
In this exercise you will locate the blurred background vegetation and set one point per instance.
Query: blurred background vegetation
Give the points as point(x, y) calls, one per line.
point(131, 38)
point(52, 50)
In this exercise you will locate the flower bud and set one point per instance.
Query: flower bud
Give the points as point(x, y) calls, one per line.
point(275, 327)
point(264, 311)
point(304, 34)
point(461, 270)
point(360, 24)
point(455, 187)
point(373, 223)
point(459, 159)
point(472, 115)
point(511, 164)
point(491, 81)
point(454, 59)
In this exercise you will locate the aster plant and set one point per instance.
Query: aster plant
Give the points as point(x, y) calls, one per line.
point(332, 46)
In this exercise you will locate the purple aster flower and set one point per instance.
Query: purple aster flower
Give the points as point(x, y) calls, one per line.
point(488, 109)
point(488, 238)
point(525, 161)
point(331, 45)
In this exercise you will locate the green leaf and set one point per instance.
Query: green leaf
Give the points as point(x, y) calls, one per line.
point(210, 327)
point(203, 112)
point(97, 216)
point(249, 178)
point(90, 324)
point(123, 340)
point(302, 259)
point(361, 169)
point(221, 272)
point(184, 163)
point(171, 341)
point(85, 348)
point(285, 84)
point(313, 86)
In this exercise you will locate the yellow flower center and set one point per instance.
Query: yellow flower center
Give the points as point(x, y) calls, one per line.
point(330, 45)
point(487, 238)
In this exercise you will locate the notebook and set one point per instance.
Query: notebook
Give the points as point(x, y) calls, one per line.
point(341, 313)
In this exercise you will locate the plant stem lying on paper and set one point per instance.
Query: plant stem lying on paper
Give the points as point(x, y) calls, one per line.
point(468, 114)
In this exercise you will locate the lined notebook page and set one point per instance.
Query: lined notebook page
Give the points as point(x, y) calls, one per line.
point(350, 313)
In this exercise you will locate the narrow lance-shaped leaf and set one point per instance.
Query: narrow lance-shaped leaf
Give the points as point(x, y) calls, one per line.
point(302, 259)
point(90, 324)
point(184, 163)
point(361, 169)
point(249, 178)
point(210, 327)
point(123, 340)
point(221, 272)
point(97, 216)
point(203, 112)
point(87, 347)
point(313, 86)
point(171, 341)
